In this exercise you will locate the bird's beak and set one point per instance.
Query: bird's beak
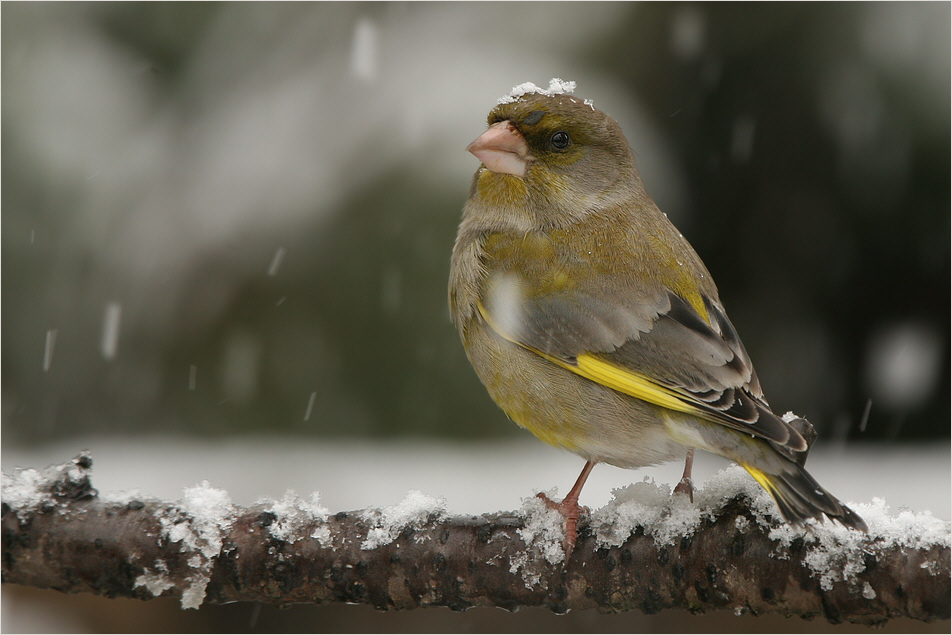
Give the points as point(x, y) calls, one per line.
point(502, 149)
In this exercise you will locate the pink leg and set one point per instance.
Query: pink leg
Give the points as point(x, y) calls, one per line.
point(570, 509)
point(686, 486)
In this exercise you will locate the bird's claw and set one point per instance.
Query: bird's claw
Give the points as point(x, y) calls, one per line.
point(570, 510)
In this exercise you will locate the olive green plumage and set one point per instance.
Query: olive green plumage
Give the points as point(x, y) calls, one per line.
point(593, 323)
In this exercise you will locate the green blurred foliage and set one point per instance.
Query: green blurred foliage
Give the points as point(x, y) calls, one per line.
point(816, 163)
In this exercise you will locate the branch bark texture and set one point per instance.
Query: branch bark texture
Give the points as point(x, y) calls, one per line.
point(58, 533)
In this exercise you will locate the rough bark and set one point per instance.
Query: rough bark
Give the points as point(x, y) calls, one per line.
point(72, 540)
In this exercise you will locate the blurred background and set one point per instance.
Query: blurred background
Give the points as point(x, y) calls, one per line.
point(227, 227)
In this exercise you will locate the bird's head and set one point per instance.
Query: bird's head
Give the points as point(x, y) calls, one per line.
point(555, 151)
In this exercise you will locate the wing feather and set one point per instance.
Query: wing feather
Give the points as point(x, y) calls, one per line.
point(663, 352)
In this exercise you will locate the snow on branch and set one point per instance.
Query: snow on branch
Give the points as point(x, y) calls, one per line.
point(646, 550)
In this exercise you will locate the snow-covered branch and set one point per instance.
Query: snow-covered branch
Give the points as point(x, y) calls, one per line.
point(645, 550)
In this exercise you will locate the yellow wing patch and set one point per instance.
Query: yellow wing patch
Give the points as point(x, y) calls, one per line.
point(629, 382)
point(612, 375)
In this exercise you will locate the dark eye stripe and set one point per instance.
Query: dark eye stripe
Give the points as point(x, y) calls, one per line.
point(533, 117)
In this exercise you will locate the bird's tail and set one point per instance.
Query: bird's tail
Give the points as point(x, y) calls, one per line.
point(799, 497)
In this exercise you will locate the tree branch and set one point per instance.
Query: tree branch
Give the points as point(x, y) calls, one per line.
point(59, 533)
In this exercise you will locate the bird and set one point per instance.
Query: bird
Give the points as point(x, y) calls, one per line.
point(593, 323)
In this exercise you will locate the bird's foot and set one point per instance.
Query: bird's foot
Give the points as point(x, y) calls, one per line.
point(685, 486)
point(570, 510)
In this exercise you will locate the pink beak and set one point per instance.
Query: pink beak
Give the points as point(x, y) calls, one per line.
point(502, 149)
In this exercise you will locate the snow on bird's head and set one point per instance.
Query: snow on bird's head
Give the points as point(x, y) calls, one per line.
point(556, 87)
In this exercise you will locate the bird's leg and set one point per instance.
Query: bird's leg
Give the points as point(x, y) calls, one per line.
point(686, 486)
point(570, 509)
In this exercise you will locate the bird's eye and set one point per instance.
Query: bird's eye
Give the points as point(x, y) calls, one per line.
point(560, 140)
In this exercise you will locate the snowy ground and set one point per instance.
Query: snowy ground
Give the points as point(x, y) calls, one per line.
point(473, 477)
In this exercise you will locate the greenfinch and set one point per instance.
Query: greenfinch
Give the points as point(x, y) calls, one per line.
point(593, 323)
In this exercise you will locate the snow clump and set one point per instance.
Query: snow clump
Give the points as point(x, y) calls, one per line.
point(27, 490)
point(543, 532)
point(198, 523)
point(413, 512)
point(293, 514)
point(556, 87)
